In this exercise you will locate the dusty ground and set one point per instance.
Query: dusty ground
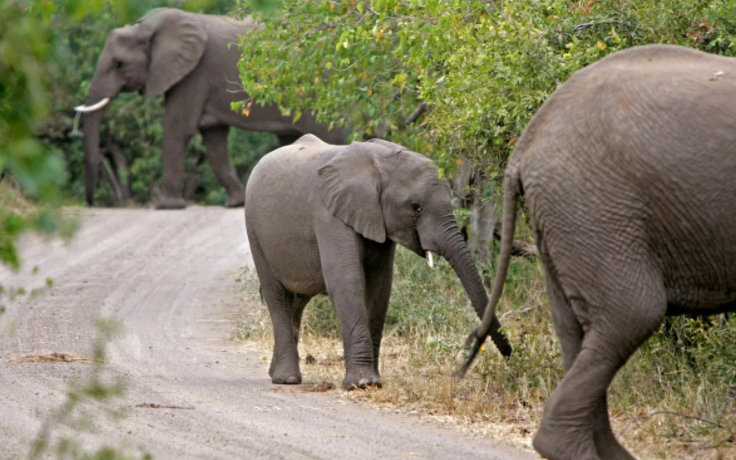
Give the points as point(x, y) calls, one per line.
point(171, 278)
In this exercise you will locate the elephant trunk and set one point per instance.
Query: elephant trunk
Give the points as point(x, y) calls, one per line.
point(100, 93)
point(453, 248)
point(92, 157)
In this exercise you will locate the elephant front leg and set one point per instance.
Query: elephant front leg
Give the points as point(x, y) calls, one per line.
point(378, 268)
point(172, 180)
point(181, 112)
point(215, 142)
point(360, 364)
point(343, 273)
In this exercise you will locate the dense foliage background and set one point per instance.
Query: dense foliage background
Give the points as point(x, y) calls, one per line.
point(482, 67)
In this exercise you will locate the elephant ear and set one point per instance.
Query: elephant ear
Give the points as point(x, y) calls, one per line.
point(177, 44)
point(350, 187)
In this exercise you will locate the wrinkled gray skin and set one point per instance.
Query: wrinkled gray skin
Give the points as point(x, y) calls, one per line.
point(189, 58)
point(324, 219)
point(628, 170)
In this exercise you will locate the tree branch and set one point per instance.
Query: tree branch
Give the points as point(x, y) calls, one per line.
point(587, 25)
point(117, 191)
point(519, 248)
point(417, 113)
point(668, 412)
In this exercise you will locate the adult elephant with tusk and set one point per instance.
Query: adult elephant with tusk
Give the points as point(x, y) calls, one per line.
point(192, 60)
point(325, 219)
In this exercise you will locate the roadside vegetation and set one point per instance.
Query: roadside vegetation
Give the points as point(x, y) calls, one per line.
point(470, 75)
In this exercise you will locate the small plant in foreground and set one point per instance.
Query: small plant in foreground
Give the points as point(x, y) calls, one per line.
point(94, 388)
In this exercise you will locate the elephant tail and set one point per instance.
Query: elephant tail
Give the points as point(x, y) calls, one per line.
point(511, 194)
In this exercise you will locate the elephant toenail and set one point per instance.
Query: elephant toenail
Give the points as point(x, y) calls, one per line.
point(292, 380)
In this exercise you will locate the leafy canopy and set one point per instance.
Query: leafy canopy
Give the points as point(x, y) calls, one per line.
point(482, 67)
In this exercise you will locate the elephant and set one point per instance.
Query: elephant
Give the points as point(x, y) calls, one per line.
point(628, 173)
point(192, 60)
point(325, 219)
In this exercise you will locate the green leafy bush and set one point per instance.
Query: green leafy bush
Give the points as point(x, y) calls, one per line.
point(483, 68)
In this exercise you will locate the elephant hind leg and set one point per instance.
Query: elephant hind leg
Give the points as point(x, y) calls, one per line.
point(285, 310)
point(282, 307)
point(300, 301)
point(575, 422)
point(215, 143)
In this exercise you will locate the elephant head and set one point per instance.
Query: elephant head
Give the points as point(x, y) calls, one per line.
point(149, 57)
point(382, 190)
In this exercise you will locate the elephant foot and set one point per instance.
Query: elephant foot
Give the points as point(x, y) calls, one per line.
point(281, 380)
point(170, 203)
point(284, 374)
point(564, 444)
point(235, 201)
point(361, 381)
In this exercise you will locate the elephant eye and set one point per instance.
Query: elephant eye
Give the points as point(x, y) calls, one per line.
point(416, 208)
point(118, 64)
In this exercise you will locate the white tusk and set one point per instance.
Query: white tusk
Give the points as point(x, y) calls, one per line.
point(92, 108)
point(430, 260)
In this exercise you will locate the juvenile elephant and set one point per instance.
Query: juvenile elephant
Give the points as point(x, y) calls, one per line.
point(628, 170)
point(192, 59)
point(324, 219)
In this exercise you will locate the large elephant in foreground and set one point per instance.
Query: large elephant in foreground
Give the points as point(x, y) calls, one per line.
point(629, 174)
point(192, 59)
point(323, 219)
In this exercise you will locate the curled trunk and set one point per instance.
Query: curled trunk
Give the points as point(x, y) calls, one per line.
point(457, 254)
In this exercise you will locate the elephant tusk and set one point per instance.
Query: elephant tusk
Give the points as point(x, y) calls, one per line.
point(430, 260)
point(92, 108)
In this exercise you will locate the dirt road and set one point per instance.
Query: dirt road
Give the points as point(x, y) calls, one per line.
point(170, 278)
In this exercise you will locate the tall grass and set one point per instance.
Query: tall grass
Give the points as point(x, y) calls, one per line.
point(672, 400)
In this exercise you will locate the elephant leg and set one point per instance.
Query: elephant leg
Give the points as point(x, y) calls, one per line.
point(342, 268)
point(300, 301)
point(281, 304)
point(215, 143)
point(285, 361)
point(575, 423)
point(568, 328)
point(182, 109)
point(378, 269)
point(570, 334)
point(174, 152)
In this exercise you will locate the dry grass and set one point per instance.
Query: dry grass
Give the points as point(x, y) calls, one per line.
point(55, 358)
point(13, 201)
point(664, 403)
